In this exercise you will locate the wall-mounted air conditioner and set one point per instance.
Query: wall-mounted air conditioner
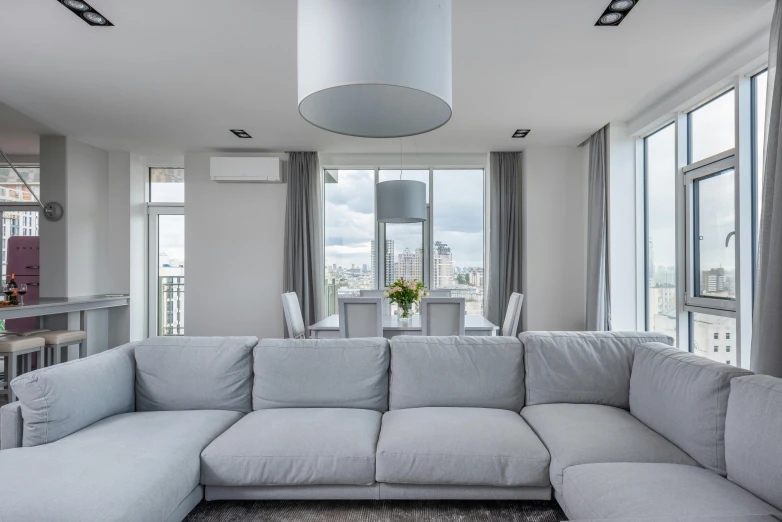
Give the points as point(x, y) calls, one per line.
point(245, 169)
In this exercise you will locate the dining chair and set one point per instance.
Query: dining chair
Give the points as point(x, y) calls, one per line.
point(510, 325)
point(381, 294)
point(439, 293)
point(293, 318)
point(360, 317)
point(442, 316)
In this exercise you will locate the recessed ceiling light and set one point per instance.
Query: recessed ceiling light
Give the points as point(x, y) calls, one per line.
point(241, 134)
point(521, 133)
point(86, 12)
point(616, 12)
point(621, 5)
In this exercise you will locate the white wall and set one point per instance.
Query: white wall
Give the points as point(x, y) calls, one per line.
point(234, 240)
point(554, 238)
point(622, 228)
point(127, 244)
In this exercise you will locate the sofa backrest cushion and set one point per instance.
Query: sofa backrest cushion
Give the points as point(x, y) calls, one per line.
point(684, 398)
point(194, 373)
point(321, 373)
point(62, 399)
point(753, 436)
point(479, 372)
point(581, 367)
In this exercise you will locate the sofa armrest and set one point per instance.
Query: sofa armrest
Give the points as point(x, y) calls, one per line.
point(11, 426)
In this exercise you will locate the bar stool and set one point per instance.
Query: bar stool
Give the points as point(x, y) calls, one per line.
point(12, 346)
point(56, 340)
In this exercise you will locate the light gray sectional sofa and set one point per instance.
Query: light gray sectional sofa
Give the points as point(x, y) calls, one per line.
point(616, 426)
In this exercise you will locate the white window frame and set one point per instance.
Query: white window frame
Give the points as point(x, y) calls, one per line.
point(154, 211)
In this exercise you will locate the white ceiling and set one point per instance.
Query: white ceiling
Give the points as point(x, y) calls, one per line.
point(175, 75)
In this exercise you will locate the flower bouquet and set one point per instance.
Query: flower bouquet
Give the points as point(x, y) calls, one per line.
point(404, 294)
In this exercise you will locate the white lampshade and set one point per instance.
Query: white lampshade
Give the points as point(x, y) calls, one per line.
point(401, 201)
point(375, 68)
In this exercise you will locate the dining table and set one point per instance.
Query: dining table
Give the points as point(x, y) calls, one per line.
point(328, 328)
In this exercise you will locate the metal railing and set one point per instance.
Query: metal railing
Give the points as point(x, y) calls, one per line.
point(171, 307)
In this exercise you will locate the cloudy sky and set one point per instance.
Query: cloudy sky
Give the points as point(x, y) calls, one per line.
point(457, 216)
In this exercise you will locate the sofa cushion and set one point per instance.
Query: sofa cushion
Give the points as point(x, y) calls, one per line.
point(684, 398)
point(134, 467)
point(194, 373)
point(581, 367)
point(61, 399)
point(296, 446)
point(476, 372)
point(590, 433)
point(322, 373)
point(460, 446)
point(632, 490)
point(753, 436)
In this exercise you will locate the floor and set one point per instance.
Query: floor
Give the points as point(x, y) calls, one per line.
point(376, 511)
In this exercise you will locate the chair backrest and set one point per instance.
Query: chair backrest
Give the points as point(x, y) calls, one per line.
point(510, 326)
point(442, 316)
point(293, 317)
point(360, 317)
point(381, 294)
point(439, 293)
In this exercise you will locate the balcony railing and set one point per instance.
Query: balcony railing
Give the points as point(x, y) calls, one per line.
point(171, 307)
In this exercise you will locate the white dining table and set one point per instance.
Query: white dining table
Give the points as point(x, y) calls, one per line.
point(328, 328)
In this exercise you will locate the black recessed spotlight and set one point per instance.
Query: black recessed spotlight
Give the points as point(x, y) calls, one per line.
point(86, 12)
point(241, 134)
point(616, 11)
point(520, 133)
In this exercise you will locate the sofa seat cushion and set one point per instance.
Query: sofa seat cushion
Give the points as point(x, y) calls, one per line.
point(295, 446)
point(632, 490)
point(460, 446)
point(129, 467)
point(589, 434)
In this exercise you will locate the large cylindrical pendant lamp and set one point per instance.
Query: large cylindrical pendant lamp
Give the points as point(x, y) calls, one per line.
point(375, 68)
point(401, 201)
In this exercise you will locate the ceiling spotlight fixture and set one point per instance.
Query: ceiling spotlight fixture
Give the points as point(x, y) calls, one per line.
point(520, 133)
point(616, 11)
point(241, 134)
point(86, 12)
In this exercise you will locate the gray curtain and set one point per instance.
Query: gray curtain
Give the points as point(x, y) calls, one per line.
point(598, 305)
point(504, 274)
point(304, 249)
point(766, 355)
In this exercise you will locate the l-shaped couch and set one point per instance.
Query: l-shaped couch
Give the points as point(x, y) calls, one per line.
point(614, 425)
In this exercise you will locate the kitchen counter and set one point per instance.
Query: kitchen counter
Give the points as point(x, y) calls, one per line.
point(63, 305)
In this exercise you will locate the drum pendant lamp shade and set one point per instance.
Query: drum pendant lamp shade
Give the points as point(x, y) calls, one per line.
point(401, 201)
point(375, 68)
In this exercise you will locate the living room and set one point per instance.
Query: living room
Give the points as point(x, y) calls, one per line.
point(443, 260)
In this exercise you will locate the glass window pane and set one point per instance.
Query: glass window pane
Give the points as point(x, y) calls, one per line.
point(711, 336)
point(405, 246)
point(457, 215)
point(166, 185)
point(12, 188)
point(715, 246)
point(349, 197)
point(712, 128)
point(171, 275)
point(660, 150)
point(760, 89)
point(416, 175)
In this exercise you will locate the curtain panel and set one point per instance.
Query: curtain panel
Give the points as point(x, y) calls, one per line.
point(598, 305)
point(304, 264)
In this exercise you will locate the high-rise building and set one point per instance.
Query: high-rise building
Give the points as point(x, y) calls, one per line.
point(442, 265)
point(476, 276)
point(391, 275)
point(409, 265)
point(713, 281)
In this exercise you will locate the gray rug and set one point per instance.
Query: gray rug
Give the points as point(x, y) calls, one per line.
point(375, 511)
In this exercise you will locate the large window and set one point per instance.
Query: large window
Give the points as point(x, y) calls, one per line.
point(660, 178)
point(166, 185)
point(712, 128)
point(713, 337)
point(446, 252)
point(759, 92)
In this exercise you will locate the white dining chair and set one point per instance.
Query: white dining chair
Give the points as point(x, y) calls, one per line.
point(293, 318)
point(510, 326)
point(381, 294)
point(439, 293)
point(442, 316)
point(360, 317)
